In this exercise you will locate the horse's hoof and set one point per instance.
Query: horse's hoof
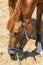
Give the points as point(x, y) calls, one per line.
point(41, 52)
point(36, 43)
point(39, 48)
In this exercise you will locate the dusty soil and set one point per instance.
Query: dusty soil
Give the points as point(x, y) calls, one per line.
point(32, 59)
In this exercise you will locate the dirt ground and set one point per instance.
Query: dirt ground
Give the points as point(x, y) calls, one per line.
point(5, 59)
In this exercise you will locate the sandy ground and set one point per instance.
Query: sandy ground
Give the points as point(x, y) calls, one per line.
point(32, 59)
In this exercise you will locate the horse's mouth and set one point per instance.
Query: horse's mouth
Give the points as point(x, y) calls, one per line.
point(12, 54)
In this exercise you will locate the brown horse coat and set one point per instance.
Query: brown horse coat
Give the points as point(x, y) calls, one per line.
point(40, 1)
point(25, 7)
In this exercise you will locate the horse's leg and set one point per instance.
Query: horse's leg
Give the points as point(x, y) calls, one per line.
point(28, 20)
point(38, 27)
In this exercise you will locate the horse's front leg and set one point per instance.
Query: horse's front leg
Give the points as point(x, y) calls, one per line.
point(38, 28)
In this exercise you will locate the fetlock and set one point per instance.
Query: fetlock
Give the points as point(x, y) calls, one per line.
point(37, 43)
point(38, 39)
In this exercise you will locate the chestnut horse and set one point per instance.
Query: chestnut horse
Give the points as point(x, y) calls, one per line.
point(23, 9)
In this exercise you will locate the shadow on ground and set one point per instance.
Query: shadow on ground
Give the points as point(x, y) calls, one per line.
point(27, 54)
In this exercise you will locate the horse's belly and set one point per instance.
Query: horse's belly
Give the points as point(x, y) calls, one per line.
point(40, 1)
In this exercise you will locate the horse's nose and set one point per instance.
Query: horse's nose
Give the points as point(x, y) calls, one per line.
point(12, 54)
point(13, 57)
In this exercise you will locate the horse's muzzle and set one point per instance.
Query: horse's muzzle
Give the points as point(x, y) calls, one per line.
point(12, 54)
